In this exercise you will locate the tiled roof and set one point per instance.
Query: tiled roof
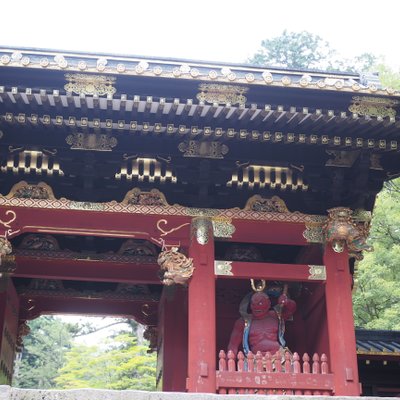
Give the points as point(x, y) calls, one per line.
point(378, 342)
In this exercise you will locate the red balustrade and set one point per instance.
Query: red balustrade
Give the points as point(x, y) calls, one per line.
point(280, 373)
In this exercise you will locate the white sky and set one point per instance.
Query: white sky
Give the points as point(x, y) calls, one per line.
point(210, 30)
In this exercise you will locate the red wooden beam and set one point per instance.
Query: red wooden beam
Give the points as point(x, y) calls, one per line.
point(144, 226)
point(34, 306)
point(86, 270)
point(269, 271)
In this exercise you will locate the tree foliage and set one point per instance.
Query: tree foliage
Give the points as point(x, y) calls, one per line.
point(304, 50)
point(117, 364)
point(51, 358)
point(43, 353)
point(377, 292)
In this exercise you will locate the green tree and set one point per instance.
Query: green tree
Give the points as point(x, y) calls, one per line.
point(293, 50)
point(119, 363)
point(377, 294)
point(304, 50)
point(43, 353)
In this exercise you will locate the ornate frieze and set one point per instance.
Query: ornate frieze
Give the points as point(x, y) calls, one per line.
point(86, 206)
point(25, 190)
point(39, 242)
point(137, 248)
point(373, 106)
point(261, 204)
point(198, 149)
point(176, 268)
point(221, 94)
point(56, 288)
point(91, 85)
point(343, 228)
point(223, 227)
point(91, 141)
point(244, 253)
point(314, 232)
point(152, 198)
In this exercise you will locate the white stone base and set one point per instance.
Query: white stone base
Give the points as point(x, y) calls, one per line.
point(10, 393)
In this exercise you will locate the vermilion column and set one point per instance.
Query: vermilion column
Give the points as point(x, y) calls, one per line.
point(339, 307)
point(201, 308)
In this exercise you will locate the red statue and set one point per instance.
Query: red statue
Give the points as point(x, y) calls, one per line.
point(263, 329)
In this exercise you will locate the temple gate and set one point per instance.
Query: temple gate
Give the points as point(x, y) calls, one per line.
point(169, 192)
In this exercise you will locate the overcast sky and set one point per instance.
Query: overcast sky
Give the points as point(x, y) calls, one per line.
point(213, 30)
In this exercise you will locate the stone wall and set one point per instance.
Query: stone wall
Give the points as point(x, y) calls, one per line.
point(9, 393)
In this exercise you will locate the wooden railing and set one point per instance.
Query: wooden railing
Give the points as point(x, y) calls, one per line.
point(280, 373)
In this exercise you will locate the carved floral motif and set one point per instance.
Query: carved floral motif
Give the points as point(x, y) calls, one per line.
point(90, 84)
point(373, 106)
point(176, 268)
point(152, 198)
point(222, 94)
point(24, 190)
point(274, 204)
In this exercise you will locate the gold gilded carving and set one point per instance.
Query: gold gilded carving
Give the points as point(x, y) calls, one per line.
point(7, 224)
point(90, 84)
point(195, 148)
point(223, 268)
point(32, 161)
point(344, 228)
point(258, 203)
point(146, 169)
point(317, 272)
point(221, 94)
point(152, 198)
point(314, 229)
point(373, 106)
point(176, 268)
point(223, 227)
point(165, 222)
point(201, 229)
point(91, 141)
point(23, 190)
point(261, 176)
point(86, 205)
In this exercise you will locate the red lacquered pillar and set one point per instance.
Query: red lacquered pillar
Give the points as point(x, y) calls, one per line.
point(201, 308)
point(339, 307)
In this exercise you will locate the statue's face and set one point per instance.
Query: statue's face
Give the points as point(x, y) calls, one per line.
point(260, 305)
